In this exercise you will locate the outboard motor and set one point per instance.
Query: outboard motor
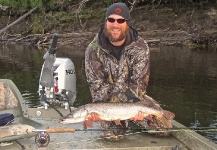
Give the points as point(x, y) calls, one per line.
point(57, 84)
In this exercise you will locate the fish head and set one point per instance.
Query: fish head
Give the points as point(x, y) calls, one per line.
point(75, 116)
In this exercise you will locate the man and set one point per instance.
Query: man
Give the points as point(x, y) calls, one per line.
point(117, 63)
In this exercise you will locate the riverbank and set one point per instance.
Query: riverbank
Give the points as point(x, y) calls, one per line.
point(192, 27)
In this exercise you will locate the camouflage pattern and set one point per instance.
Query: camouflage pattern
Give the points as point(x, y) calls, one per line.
point(7, 98)
point(112, 80)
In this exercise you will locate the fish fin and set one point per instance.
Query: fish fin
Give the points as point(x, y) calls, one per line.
point(150, 117)
point(152, 120)
point(118, 122)
point(87, 124)
point(96, 116)
point(84, 125)
point(150, 104)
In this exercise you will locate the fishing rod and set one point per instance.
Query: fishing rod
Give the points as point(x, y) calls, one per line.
point(42, 138)
point(186, 129)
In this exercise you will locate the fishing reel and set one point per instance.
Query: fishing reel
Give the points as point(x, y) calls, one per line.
point(42, 139)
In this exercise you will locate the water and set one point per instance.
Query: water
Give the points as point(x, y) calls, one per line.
point(183, 81)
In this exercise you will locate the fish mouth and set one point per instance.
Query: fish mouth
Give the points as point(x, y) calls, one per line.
point(68, 120)
point(61, 121)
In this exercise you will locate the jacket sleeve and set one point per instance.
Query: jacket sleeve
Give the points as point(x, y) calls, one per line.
point(140, 70)
point(96, 79)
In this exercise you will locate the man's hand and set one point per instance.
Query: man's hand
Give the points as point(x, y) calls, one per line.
point(138, 117)
point(94, 117)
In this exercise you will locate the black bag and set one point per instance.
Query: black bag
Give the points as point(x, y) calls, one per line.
point(6, 118)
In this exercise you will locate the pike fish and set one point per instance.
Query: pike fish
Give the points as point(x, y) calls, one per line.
point(119, 111)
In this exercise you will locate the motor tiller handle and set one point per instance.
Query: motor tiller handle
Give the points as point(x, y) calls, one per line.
point(52, 49)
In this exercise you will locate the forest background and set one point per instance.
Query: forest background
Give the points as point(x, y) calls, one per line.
point(172, 22)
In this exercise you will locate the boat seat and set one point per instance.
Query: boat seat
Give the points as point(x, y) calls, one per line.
point(11, 101)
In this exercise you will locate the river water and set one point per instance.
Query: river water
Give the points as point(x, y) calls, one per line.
point(183, 81)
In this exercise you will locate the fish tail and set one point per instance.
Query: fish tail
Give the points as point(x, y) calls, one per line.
point(161, 124)
point(166, 122)
point(169, 115)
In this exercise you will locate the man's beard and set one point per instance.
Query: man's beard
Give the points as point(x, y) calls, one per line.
point(122, 36)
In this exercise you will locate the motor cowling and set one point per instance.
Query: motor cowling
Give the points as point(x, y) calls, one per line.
point(65, 79)
point(57, 84)
point(63, 89)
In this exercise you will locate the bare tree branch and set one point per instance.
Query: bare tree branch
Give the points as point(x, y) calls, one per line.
point(18, 20)
point(3, 7)
point(133, 4)
point(81, 5)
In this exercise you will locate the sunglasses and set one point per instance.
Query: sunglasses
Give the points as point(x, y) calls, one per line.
point(120, 21)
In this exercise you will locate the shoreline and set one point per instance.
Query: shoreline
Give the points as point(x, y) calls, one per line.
point(201, 39)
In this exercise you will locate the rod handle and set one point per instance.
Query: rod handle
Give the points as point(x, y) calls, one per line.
point(59, 130)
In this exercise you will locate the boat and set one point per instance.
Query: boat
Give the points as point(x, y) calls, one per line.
point(48, 134)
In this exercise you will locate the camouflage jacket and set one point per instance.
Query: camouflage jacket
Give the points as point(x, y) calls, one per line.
point(118, 80)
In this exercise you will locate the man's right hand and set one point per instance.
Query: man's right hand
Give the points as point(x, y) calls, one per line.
point(138, 117)
point(94, 117)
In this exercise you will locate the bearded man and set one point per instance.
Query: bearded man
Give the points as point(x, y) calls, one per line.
point(117, 63)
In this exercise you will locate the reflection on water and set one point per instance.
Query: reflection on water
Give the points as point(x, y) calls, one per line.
point(183, 81)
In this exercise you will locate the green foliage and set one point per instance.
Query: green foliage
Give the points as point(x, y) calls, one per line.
point(177, 3)
point(22, 5)
point(37, 28)
point(46, 5)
